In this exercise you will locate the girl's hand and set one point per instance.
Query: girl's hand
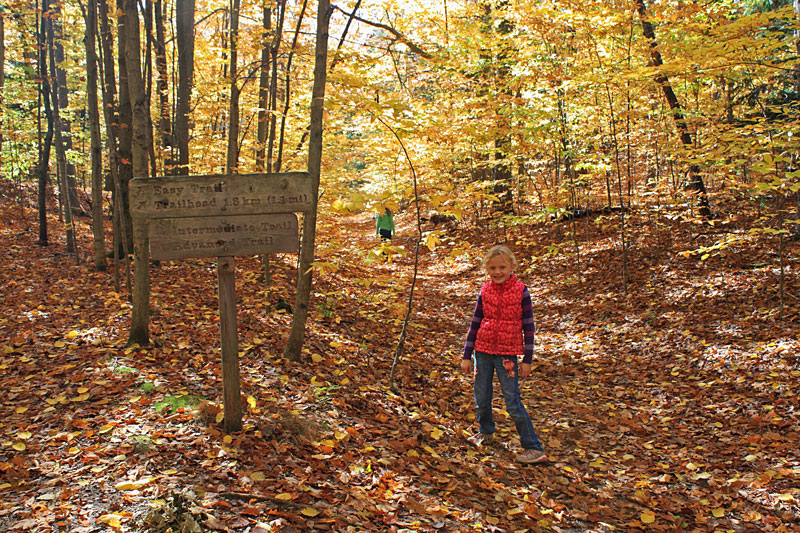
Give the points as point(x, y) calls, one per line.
point(466, 366)
point(525, 370)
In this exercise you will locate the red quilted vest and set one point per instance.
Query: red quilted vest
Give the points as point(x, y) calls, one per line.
point(500, 331)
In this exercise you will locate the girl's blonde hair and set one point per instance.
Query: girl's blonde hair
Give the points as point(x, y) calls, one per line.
point(496, 251)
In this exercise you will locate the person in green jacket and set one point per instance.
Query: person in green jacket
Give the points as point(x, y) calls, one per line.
point(385, 225)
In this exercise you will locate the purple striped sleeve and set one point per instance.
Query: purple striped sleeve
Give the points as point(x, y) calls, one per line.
point(477, 318)
point(528, 326)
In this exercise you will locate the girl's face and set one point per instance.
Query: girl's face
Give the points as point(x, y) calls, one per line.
point(499, 268)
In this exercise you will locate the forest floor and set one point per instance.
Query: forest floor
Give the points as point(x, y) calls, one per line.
point(666, 398)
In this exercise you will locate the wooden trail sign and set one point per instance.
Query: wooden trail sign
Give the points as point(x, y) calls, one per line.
point(181, 238)
point(216, 194)
point(220, 216)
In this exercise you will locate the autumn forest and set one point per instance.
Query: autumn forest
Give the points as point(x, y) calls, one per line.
point(296, 371)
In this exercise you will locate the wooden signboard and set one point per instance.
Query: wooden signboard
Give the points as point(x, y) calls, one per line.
point(181, 238)
point(218, 194)
point(220, 216)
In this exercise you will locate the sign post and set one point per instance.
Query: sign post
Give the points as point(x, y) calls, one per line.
point(231, 389)
point(221, 216)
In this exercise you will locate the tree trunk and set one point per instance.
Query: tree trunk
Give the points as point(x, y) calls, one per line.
point(220, 119)
point(44, 150)
point(63, 123)
point(98, 235)
point(499, 73)
point(129, 34)
point(232, 160)
point(2, 77)
point(109, 92)
point(125, 136)
point(185, 36)
point(162, 88)
point(263, 124)
point(728, 84)
point(263, 92)
point(136, 90)
point(796, 5)
point(287, 89)
point(111, 114)
point(302, 296)
point(566, 147)
point(273, 89)
point(61, 155)
point(695, 179)
point(147, 75)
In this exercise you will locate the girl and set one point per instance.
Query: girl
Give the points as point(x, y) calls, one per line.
point(501, 329)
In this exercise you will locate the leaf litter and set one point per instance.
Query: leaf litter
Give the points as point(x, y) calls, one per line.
point(671, 407)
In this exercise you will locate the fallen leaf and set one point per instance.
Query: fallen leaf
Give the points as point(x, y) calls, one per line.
point(134, 485)
point(112, 520)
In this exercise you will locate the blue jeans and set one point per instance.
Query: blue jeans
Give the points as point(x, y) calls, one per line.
point(485, 367)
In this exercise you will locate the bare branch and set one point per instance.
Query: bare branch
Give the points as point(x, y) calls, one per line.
point(398, 37)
